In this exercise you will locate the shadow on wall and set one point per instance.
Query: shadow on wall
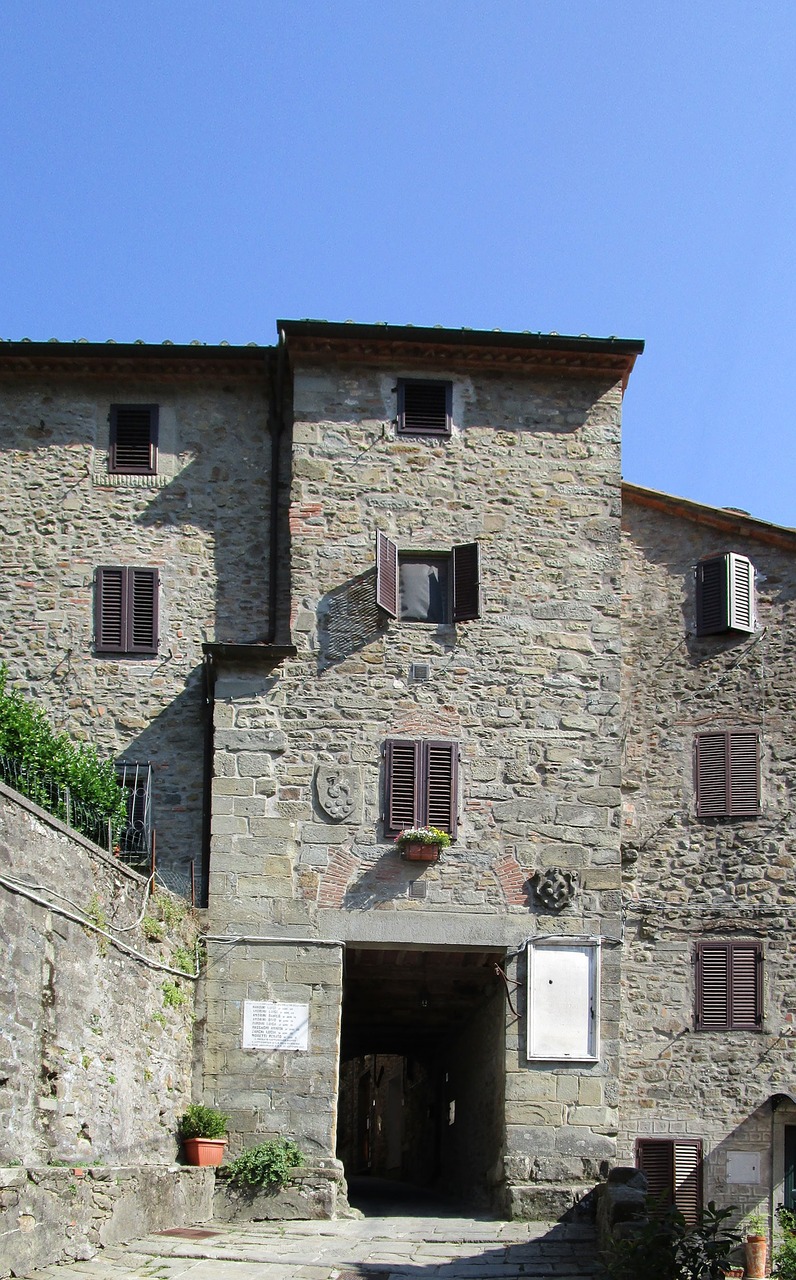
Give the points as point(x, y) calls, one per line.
point(173, 742)
point(348, 619)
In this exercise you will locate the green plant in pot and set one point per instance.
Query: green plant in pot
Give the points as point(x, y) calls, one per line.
point(422, 844)
point(756, 1246)
point(203, 1132)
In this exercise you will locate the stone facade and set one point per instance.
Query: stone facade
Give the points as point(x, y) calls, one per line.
point(572, 698)
point(688, 879)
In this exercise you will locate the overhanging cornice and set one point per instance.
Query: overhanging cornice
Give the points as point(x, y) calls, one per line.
point(319, 341)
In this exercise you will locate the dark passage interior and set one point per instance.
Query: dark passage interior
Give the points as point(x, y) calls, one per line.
point(422, 1071)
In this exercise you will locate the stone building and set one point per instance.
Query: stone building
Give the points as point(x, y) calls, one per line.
point(374, 578)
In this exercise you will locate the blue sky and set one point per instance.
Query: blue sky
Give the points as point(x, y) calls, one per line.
point(195, 170)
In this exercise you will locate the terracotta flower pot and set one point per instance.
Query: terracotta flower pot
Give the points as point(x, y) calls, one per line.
point(416, 851)
point(756, 1257)
point(204, 1152)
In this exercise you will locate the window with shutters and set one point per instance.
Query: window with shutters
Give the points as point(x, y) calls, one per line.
point(727, 773)
point(438, 587)
point(673, 1169)
point(126, 610)
point(729, 985)
point(420, 785)
point(725, 595)
point(424, 408)
point(133, 447)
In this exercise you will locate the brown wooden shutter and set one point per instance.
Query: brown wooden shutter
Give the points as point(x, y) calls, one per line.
point(386, 574)
point(673, 1169)
point(688, 1179)
point(110, 610)
point(133, 439)
point(440, 769)
point(401, 777)
point(727, 766)
point(655, 1159)
point(729, 985)
point(142, 586)
point(424, 408)
point(712, 596)
point(126, 610)
point(466, 582)
point(712, 987)
point(746, 978)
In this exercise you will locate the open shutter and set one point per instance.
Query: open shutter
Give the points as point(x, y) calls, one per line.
point(725, 595)
point(142, 585)
point(746, 974)
point(655, 1159)
point(133, 439)
point(440, 776)
point(688, 1179)
point(386, 574)
point(713, 987)
point(744, 782)
point(401, 775)
point(110, 610)
point(741, 576)
point(466, 582)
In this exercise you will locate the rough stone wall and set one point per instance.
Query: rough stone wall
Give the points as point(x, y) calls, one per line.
point(530, 690)
point(688, 879)
point(95, 1047)
point(202, 521)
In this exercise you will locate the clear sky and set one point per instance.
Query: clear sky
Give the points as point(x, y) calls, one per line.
point(196, 170)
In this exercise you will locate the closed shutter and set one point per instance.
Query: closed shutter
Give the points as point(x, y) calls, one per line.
point(673, 1169)
point(729, 985)
point(725, 595)
point(133, 439)
point(126, 610)
point(728, 773)
point(466, 582)
point(386, 574)
point(424, 408)
point(688, 1180)
point(655, 1159)
point(420, 785)
point(440, 776)
point(402, 770)
point(143, 610)
point(110, 610)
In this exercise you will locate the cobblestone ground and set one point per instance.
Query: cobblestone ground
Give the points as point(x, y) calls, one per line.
point(371, 1248)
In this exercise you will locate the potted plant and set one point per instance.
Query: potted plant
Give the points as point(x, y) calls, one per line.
point(755, 1246)
point(203, 1131)
point(422, 844)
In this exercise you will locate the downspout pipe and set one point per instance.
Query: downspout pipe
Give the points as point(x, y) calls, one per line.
point(277, 431)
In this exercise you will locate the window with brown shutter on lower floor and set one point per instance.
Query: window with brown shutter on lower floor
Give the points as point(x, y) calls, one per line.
point(126, 610)
point(729, 985)
point(673, 1169)
point(727, 773)
point(420, 785)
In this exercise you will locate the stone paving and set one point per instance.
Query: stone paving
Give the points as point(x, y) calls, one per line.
point(394, 1247)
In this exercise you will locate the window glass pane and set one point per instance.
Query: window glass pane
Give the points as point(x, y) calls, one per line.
point(424, 589)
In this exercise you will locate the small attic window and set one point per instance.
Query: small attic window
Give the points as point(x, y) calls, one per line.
point(725, 595)
point(424, 408)
point(133, 440)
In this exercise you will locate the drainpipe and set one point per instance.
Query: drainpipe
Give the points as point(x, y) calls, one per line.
point(277, 388)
